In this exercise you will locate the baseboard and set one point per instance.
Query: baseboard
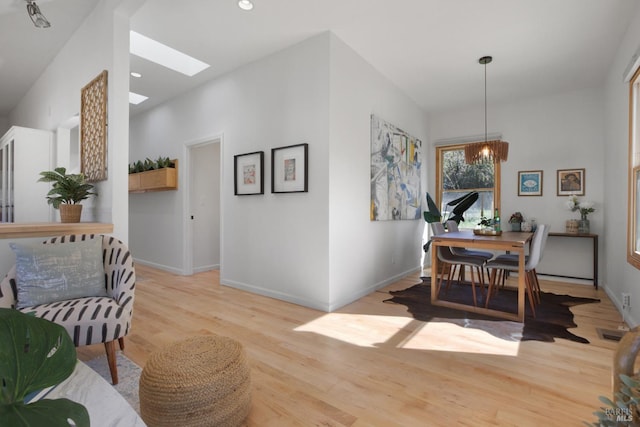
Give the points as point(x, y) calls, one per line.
point(335, 305)
point(275, 294)
point(206, 268)
point(316, 305)
point(159, 266)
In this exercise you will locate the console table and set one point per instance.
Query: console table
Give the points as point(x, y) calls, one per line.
point(594, 238)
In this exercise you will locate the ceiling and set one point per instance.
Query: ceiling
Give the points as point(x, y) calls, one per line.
point(427, 48)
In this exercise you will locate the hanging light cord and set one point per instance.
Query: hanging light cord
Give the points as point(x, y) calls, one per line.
point(485, 103)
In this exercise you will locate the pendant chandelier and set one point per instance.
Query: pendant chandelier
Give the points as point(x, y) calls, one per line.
point(36, 16)
point(486, 151)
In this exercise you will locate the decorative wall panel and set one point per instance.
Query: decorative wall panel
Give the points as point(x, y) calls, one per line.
point(93, 129)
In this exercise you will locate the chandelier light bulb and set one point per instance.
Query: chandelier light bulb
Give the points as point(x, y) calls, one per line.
point(245, 4)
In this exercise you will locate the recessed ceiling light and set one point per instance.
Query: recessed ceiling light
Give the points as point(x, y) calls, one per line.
point(154, 51)
point(245, 4)
point(135, 98)
point(136, 75)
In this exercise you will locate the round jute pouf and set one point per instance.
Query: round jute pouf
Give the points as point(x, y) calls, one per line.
point(200, 381)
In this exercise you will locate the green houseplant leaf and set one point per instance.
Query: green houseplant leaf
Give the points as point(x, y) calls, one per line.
point(67, 188)
point(35, 354)
point(433, 214)
point(45, 412)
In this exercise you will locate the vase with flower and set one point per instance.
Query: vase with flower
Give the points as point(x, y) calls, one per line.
point(585, 208)
point(516, 221)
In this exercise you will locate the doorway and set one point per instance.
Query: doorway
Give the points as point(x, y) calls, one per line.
point(203, 216)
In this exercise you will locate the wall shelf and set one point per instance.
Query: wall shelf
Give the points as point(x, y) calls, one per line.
point(156, 180)
point(45, 229)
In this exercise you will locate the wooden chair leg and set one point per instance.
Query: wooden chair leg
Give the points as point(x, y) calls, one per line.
point(121, 343)
point(110, 347)
point(439, 279)
point(481, 281)
point(451, 275)
point(536, 289)
point(492, 282)
point(473, 289)
point(528, 284)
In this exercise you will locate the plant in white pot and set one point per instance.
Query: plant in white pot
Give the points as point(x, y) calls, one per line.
point(67, 192)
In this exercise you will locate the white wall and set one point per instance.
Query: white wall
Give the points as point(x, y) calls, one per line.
point(275, 244)
point(561, 131)
point(101, 42)
point(365, 255)
point(282, 245)
point(621, 276)
point(4, 125)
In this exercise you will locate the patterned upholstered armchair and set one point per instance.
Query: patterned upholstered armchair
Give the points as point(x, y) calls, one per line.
point(90, 320)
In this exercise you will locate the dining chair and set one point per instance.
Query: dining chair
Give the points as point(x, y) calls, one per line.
point(509, 262)
point(453, 226)
point(448, 258)
point(514, 258)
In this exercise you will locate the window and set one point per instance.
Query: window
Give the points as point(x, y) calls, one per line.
point(455, 178)
point(633, 226)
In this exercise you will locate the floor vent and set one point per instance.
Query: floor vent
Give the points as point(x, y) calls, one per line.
point(610, 334)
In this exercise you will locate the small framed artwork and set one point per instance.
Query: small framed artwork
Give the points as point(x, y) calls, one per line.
point(248, 172)
point(289, 169)
point(529, 183)
point(571, 182)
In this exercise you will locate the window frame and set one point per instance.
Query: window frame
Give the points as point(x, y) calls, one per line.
point(440, 149)
point(633, 251)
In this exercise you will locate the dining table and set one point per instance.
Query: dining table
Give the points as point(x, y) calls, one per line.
point(507, 241)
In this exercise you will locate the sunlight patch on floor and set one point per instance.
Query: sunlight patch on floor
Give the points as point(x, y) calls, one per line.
point(442, 336)
point(359, 329)
point(407, 333)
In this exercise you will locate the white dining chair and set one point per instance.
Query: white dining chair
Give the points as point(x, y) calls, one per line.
point(509, 262)
point(514, 258)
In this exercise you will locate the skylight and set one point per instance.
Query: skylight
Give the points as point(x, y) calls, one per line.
point(135, 98)
point(154, 51)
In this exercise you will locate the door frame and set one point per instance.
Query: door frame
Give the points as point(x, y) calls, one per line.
point(187, 225)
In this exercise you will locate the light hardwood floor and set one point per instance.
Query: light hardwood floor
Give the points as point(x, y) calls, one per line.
point(372, 364)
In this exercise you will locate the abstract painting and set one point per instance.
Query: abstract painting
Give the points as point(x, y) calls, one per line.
point(396, 162)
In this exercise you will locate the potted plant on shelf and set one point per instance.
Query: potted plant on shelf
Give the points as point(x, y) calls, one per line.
point(67, 192)
point(516, 221)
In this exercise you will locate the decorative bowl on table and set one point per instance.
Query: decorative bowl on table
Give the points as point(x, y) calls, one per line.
point(486, 232)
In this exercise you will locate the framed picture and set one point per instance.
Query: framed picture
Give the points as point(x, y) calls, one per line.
point(248, 172)
point(529, 183)
point(570, 182)
point(289, 169)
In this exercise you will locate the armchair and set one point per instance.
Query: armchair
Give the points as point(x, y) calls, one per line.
point(93, 319)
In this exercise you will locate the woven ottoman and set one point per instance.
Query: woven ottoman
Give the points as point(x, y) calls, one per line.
point(200, 381)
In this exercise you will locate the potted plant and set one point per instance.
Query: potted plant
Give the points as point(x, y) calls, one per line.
point(461, 204)
point(67, 192)
point(35, 354)
point(516, 221)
